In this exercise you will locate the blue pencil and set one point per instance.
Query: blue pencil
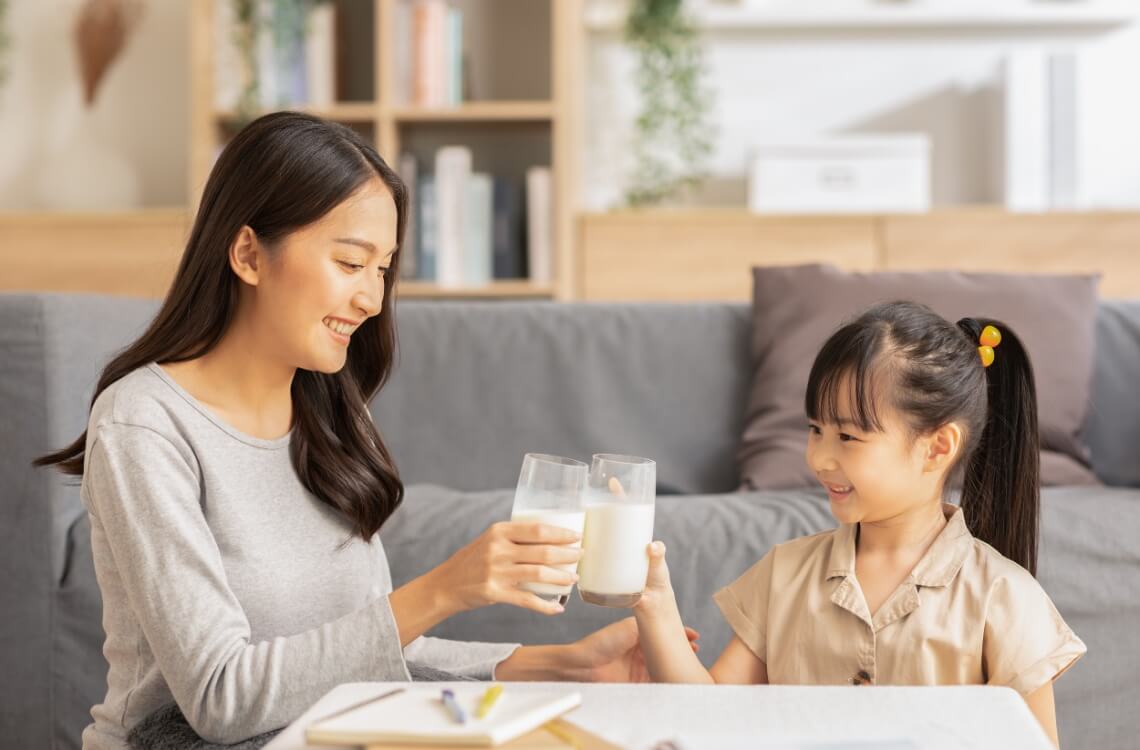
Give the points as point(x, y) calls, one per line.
point(452, 706)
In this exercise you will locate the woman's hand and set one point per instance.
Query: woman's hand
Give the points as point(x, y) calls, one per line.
point(490, 569)
point(613, 654)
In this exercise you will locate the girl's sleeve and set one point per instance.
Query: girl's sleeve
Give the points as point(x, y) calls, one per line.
point(744, 603)
point(1026, 643)
point(156, 546)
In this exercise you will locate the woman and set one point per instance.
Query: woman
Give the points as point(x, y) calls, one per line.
point(236, 483)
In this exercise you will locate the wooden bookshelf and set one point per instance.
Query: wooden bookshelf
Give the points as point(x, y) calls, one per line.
point(550, 121)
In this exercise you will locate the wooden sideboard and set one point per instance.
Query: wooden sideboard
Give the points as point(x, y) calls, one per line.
point(134, 254)
point(625, 255)
point(707, 254)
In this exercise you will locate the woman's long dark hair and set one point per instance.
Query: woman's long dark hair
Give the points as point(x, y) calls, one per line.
point(928, 369)
point(280, 173)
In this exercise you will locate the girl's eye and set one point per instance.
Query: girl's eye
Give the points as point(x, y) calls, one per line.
point(354, 267)
point(843, 436)
point(813, 429)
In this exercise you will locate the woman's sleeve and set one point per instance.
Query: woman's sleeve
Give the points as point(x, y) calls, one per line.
point(463, 658)
point(1026, 643)
point(744, 603)
point(145, 492)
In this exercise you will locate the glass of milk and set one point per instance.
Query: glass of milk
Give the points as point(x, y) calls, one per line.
point(550, 491)
point(620, 497)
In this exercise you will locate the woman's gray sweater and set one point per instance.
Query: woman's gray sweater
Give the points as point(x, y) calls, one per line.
point(227, 587)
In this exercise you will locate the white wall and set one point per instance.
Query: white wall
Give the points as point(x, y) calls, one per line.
point(766, 84)
point(141, 112)
point(775, 84)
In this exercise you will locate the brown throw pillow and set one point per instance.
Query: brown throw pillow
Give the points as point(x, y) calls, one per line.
point(796, 308)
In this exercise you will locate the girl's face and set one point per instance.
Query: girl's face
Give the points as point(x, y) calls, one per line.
point(873, 476)
point(324, 280)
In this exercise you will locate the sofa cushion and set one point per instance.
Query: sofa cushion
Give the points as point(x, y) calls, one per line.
point(1114, 417)
point(479, 384)
point(796, 308)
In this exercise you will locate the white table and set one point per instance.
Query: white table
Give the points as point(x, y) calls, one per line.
point(722, 717)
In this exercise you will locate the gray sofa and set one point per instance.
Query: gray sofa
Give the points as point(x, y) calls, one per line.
point(477, 386)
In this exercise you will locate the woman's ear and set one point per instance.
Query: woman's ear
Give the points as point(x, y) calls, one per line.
point(942, 447)
point(245, 256)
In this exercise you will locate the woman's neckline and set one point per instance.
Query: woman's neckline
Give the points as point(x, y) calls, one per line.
point(229, 429)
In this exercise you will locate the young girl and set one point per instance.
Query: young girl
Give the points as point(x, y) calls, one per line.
point(909, 590)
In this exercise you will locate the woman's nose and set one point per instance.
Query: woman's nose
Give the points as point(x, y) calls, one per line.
point(370, 298)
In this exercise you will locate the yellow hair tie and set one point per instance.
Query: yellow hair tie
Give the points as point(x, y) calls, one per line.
point(990, 338)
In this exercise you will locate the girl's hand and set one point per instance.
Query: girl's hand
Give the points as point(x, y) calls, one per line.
point(613, 654)
point(658, 586)
point(490, 569)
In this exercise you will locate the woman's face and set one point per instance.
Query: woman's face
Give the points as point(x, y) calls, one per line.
point(324, 280)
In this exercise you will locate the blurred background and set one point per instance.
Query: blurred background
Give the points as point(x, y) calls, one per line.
point(592, 149)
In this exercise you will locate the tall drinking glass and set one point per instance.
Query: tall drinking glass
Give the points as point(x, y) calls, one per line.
point(620, 498)
point(550, 491)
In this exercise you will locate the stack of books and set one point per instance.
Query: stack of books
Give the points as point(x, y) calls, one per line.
point(467, 228)
point(429, 57)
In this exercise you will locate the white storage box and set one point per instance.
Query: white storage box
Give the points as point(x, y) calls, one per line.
point(847, 174)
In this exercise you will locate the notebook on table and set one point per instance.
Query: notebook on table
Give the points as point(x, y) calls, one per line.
point(417, 717)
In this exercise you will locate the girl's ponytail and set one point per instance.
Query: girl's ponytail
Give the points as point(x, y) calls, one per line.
point(1001, 493)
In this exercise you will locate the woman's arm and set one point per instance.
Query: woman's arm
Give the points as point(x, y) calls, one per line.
point(161, 572)
point(487, 571)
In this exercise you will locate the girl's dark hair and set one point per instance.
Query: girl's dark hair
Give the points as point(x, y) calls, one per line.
point(906, 356)
point(280, 173)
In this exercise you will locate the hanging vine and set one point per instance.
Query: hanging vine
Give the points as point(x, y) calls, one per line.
point(673, 137)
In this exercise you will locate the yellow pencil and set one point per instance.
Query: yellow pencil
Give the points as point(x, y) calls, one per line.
point(558, 731)
point(487, 702)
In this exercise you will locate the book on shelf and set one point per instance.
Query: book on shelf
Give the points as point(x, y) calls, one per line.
point(452, 172)
point(507, 252)
point(540, 224)
point(408, 171)
point(433, 75)
point(292, 64)
point(427, 224)
point(477, 238)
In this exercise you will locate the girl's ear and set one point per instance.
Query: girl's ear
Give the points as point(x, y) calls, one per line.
point(245, 256)
point(942, 447)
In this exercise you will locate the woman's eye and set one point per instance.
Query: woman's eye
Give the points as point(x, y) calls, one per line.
point(352, 266)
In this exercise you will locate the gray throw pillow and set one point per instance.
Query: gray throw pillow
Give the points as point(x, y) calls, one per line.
point(796, 308)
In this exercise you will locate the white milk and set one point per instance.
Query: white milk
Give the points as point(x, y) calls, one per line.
point(567, 519)
point(615, 562)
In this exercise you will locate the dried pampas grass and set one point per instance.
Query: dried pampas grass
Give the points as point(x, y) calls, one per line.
point(101, 33)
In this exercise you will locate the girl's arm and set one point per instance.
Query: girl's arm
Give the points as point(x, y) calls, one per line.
point(1041, 704)
point(665, 646)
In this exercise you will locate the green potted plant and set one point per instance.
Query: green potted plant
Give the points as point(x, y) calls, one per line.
point(673, 137)
point(286, 24)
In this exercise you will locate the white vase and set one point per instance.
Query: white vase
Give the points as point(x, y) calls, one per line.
point(83, 172)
